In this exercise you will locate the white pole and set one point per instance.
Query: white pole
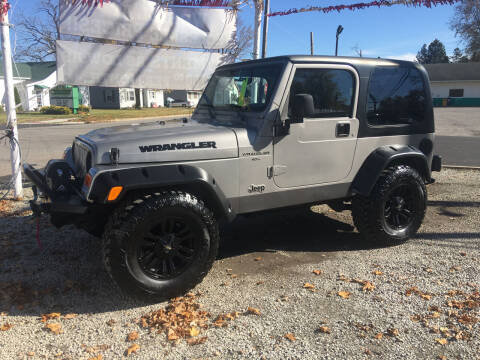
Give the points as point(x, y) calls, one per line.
point(10, 102)
point(257, 24)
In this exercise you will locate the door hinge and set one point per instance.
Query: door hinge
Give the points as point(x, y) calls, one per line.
point(276, 170)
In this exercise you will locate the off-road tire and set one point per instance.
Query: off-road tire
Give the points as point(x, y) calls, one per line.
point(369, 213)
point(122, 234)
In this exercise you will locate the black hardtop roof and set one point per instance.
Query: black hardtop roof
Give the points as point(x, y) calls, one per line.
point(358, 61)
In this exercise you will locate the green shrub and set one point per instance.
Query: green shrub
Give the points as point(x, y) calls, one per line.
point(55, 110)
point(84, 108)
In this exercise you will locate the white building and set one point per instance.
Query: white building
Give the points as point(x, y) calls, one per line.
point(32, 81)
point(455, 84)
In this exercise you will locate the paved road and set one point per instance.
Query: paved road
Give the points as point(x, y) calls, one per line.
point(41, 143)
point(459, 150)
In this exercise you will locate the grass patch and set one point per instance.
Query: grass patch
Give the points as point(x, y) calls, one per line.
point(100, 115)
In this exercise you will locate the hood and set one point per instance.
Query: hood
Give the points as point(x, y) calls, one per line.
point(162, 141)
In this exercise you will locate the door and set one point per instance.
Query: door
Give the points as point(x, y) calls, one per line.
point(319, 149)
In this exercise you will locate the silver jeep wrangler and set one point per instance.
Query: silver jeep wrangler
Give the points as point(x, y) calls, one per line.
point(354, 133)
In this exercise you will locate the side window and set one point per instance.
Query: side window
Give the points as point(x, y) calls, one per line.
point(332, 91)
point(455, 93)
point(396, 96)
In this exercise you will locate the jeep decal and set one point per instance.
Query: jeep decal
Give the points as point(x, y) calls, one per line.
point(179, 146)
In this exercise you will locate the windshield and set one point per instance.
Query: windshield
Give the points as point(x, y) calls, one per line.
point(242, 89)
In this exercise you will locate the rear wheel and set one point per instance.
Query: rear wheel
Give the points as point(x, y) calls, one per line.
point(160, 246)
point(395, 209)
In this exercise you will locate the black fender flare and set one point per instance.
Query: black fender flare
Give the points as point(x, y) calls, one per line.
point(184, 177)
point(382, 158)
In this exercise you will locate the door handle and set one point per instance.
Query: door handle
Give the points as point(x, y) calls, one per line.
point(342, 130)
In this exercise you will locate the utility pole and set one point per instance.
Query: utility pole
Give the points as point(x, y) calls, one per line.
point(311, 43)
point(339, 31)
point(257, 24)
point(265, 28)
point(10, 100)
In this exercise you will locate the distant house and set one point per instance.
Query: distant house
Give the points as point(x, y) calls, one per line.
point(455, 84)
point(34, 82)
point(121, 98)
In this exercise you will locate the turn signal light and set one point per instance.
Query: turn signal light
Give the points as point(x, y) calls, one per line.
point(114, 193)
point(88, 180)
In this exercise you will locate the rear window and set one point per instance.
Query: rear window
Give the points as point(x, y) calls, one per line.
point(396, 96)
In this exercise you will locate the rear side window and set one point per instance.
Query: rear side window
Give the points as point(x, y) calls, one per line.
point(396, 96)
point(331, 89)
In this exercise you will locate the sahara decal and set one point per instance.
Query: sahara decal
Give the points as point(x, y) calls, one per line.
point(179, 146)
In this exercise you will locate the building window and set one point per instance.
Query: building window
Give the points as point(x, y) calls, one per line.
point(332, 91)
point(132, 95)
point(396, 96)
point(457, 93)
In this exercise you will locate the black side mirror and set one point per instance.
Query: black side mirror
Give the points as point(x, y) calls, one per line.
point(302, 107)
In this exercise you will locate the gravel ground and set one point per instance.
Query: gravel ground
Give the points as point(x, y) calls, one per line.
point(426, 291)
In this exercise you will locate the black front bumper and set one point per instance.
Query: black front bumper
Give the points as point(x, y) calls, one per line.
point(49, 201)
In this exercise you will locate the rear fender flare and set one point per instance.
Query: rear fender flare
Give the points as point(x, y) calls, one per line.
point(381, 159)
point(188, 178)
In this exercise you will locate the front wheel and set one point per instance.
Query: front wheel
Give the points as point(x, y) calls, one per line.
point(160, 246)
point(395, 209)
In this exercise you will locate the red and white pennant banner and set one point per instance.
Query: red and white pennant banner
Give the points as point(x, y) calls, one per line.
point(4, 7)
point(363, 5)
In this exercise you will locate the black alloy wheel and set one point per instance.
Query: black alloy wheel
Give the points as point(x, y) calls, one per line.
point(400, 207)
point(167, 248)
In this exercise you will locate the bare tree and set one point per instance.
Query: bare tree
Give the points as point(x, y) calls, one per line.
point(240, 47)
point(357, 50)
point(466, 24)
point(37, 33)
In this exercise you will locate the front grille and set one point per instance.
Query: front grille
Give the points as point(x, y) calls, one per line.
point(82, 158)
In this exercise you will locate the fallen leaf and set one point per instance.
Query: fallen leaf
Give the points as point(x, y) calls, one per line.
point(455, 268)
point(194, 331)
point(253, 311)
point(377, 272)
point(30, 353)
point(435, 315)
point(379, 336)
point(133, 349)
point(425, 296)
point(317, 272)
point(260, 282)
point(463, 254)
point(50, 316)
point(111, 322)
point(258, 258)
point(393, 332)
point(55, 328)
point(196, 341)
point(98, 357)
point(290, 337)
point(344, 294)
point(233, 276)
point(442, 357)
point(6, 327)
point(70, 316)
point(441, 341)
point(3, 313)
point(308, 286)
point(367, 352)
point(368, 286)
point(133, 336)
point(324, 329)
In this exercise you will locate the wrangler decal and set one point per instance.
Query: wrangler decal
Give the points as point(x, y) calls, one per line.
point(179, 146)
